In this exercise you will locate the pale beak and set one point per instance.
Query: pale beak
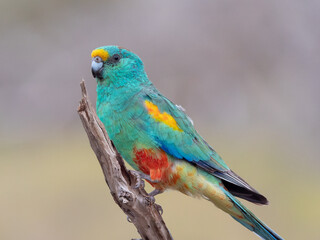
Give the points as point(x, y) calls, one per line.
point(96, 69)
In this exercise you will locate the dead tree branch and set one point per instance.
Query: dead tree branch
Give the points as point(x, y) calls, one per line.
point(134, 202)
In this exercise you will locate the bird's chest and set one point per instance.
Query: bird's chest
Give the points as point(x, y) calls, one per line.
point(127, 125)
point(119, 123)
point(124, 124)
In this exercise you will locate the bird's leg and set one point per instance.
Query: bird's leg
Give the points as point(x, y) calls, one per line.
point(147, 177)
point(139, 176)
point(155, 192)
point(151, 200)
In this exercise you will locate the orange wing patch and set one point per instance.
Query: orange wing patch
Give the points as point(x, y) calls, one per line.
point(164, 117)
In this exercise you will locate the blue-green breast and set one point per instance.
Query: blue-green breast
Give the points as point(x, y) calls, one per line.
point(122, 112)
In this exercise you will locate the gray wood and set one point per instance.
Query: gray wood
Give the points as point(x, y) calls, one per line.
point(134, 201)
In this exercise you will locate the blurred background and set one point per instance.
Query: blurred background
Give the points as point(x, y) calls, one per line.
point(247, 73)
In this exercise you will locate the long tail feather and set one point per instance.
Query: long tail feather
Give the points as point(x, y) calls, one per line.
point(255, 224)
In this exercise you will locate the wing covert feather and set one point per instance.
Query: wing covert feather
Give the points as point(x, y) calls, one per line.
point(184, 143)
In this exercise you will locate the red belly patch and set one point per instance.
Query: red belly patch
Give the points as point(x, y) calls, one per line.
point(153, 162)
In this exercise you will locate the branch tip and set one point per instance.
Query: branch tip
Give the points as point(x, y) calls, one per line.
point(83, 89)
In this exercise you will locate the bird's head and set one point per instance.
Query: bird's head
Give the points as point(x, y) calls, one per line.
point(115, 64)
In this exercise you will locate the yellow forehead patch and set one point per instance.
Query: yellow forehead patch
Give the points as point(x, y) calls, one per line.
point(164, 117)
point(100, 53)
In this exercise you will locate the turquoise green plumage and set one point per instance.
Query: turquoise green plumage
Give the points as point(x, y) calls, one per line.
point(157, 138)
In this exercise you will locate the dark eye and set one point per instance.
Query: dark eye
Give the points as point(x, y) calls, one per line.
point(115, 58)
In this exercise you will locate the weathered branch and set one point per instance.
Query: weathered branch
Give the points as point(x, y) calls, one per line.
point(135, 202)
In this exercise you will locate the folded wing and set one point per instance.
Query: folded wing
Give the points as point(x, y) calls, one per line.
point(174, 132)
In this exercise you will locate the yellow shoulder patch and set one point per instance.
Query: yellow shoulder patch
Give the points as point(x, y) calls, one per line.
point(100, 53)
point(164, 117)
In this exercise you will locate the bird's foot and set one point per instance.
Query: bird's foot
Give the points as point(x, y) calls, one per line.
point(150, 200)
point(154, 193)
point(159, 208)
point(140, 176)
point(139, 182)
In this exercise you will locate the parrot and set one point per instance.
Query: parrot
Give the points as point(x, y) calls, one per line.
point(158, 140)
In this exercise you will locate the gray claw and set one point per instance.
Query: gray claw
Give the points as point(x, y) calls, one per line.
point(159, 209)
point(149, 200)
point(139, 181)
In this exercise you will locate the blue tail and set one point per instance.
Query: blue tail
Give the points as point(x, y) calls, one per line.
point(258, 226)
